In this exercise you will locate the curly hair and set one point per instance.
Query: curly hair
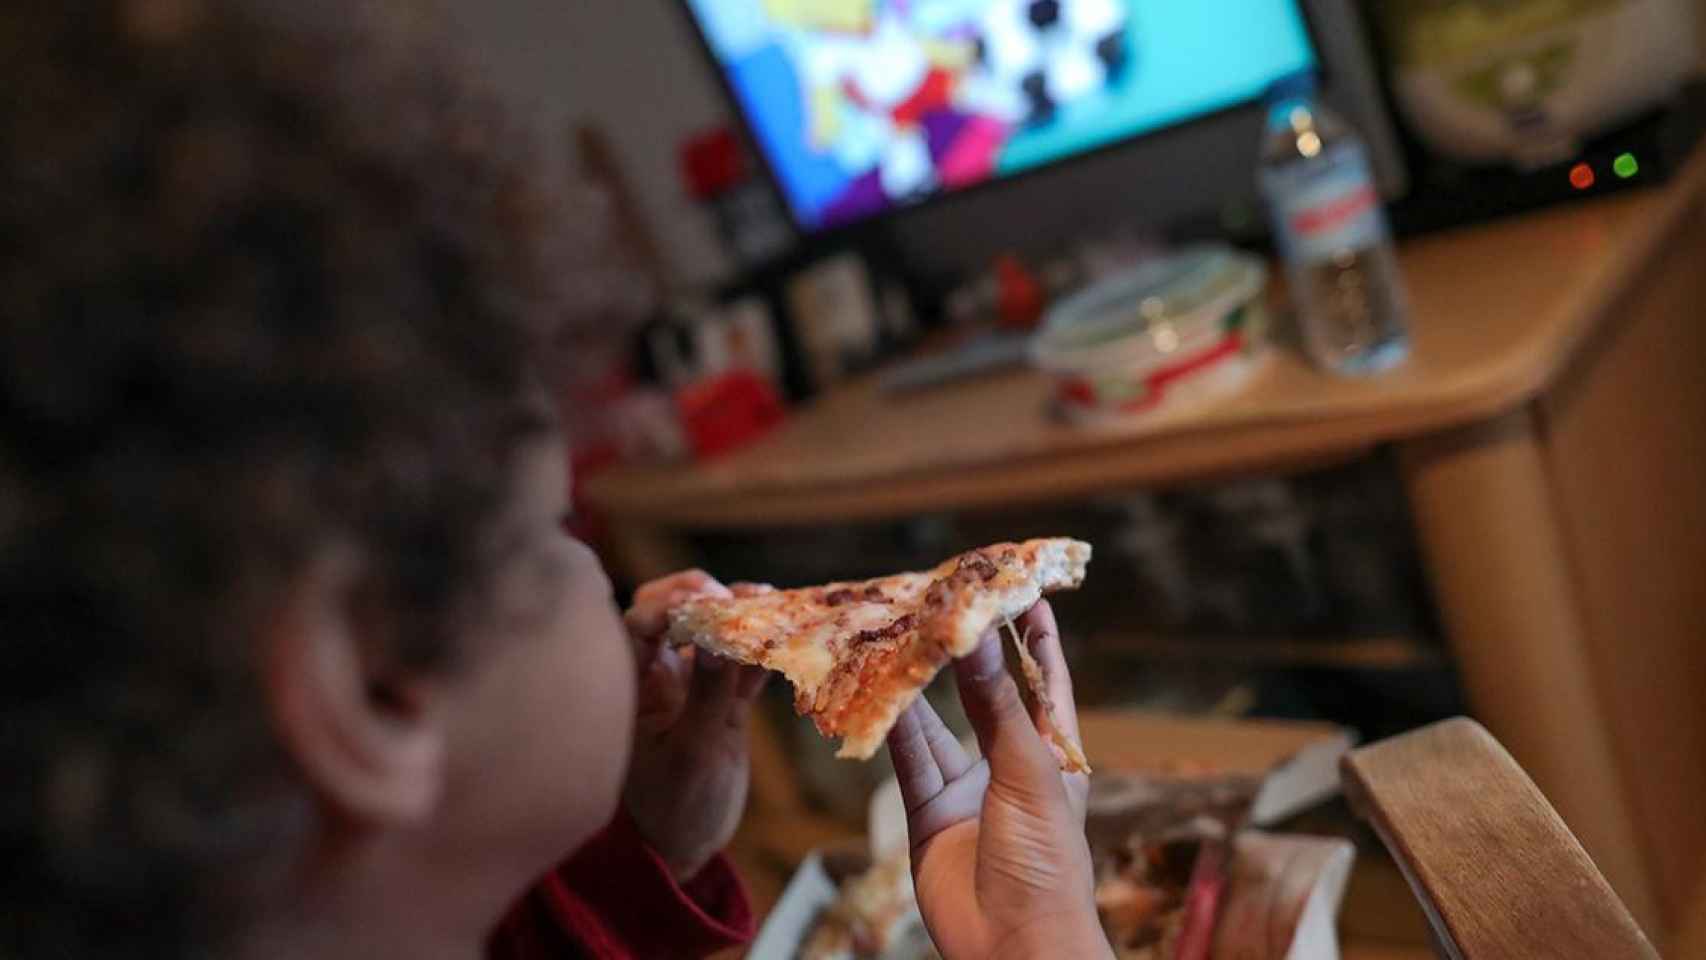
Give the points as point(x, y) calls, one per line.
point(266, 286)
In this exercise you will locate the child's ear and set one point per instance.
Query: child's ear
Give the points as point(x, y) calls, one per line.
point(369, 739)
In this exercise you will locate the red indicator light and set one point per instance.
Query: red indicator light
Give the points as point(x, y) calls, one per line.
point(1581, 176)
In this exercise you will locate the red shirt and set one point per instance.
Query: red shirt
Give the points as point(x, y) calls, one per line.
point(615, 900)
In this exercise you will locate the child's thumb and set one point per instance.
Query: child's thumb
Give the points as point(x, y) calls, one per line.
point(714, 691)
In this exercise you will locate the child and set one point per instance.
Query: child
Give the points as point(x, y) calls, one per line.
point(298, 661)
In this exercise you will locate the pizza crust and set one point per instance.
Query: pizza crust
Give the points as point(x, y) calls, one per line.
point(859, 653)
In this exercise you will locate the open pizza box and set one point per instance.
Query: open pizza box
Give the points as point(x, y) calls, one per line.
point(1283, 892)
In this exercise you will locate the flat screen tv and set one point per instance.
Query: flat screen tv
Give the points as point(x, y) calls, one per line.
point(861, 109)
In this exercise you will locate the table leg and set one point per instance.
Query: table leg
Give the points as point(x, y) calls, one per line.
point(1488, 525)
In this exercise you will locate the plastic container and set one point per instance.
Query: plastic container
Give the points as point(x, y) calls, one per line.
point(1182, 327)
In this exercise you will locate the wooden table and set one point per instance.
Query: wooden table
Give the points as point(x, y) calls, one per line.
point(1551, 426)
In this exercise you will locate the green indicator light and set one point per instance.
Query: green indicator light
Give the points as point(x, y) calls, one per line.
point(1625, 166)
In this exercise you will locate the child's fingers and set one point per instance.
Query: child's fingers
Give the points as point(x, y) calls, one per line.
point(648, 618)
point(944, 746)
point(713, 690)
point(940, 784)
point(1037, 626)
point(1042, 636)
point(662, 694)
point(1005, 732)
point(960, 799)
point(646, 622)
point(915, 766)
point(751, 682)
point(690, 581)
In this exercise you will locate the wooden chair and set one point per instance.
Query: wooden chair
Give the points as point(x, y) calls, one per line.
point(1497, 872)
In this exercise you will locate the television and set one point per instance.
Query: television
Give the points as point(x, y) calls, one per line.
point(991, 123)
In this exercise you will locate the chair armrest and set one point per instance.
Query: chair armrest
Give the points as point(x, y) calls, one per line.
point(1497, 872)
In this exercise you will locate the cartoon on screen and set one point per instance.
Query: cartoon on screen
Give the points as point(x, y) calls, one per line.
point(909, 96)
point(864, 105)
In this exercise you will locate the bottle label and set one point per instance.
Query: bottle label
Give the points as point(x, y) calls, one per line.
point(1324, 206)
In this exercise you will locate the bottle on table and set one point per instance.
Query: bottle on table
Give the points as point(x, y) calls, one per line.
point(1331, 231)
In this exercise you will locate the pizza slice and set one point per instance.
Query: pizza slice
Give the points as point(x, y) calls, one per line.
point(859, 653)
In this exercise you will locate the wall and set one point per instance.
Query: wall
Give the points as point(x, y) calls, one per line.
point(629, 66)
point(1700, 32)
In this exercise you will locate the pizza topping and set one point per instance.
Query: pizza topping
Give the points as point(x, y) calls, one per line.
point(972, 568)
point(979, 564)
point(889, 632)
point(844, 595)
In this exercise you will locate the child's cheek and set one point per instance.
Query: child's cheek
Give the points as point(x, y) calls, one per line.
point(606, 671)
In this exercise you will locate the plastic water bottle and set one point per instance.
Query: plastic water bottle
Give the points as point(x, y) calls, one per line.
point(1331, 231)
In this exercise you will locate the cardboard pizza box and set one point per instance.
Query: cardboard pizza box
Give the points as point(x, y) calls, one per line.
point(1311, 871)
point(785, 929)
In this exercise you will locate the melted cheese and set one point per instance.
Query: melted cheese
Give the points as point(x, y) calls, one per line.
point(807, 639)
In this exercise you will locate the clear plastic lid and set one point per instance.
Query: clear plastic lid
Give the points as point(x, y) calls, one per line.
point(1142, 316)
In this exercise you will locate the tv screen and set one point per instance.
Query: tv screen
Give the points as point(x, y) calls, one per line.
point(863, 106)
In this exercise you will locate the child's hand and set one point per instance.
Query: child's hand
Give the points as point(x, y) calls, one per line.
point(999, 858)
point(687, 783)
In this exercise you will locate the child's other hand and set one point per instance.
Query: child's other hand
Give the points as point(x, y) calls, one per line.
point(999, 858)
point(688, 779)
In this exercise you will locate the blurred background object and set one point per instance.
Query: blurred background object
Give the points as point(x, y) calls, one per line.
point(1509, 105)
point(717, 174)
point(1528, 83)
point(1175, 328)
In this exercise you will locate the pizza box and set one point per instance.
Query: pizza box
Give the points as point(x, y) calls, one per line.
point(1289, 883)
point(811, 890)
point(788, 924)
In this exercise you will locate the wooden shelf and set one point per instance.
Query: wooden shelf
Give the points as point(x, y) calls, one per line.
point(1371, 653)
point(1499, 310)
